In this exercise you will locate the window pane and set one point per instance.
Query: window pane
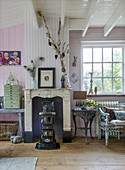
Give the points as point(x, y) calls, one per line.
point(87, 54)
point(97, 54)
point(107, 84)
point(86, 84)
point(107, 54)
point(106, 64)
point(98, 83)
point(117, 70)
point(117, 84)
point(86, 69)
point(97, 70)
point(107, 70)
point(117, 54)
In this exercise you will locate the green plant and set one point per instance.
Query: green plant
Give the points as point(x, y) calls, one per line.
point(89, 103)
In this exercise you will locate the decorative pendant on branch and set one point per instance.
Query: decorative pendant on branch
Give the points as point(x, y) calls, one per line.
point(56, 56)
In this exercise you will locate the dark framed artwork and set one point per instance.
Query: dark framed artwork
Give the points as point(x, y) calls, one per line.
point(10, 58)
point(46, 77)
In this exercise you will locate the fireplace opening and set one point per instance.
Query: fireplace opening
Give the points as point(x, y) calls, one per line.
point(37, 107)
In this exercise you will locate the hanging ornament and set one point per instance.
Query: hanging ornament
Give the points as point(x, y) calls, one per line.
point(56, 56)
point(63, 54)
point(63, 69)
point(49, 42)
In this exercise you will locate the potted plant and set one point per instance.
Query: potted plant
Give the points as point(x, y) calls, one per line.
point(89, 104)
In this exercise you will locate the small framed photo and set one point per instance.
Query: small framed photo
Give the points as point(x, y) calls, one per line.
point(10, 58)
point(46, 77)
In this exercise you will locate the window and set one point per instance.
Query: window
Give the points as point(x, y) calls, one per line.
point(106, 63)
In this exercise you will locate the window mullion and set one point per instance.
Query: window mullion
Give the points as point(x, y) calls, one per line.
point(92, 59)
point(112, 69)
point(102, 70)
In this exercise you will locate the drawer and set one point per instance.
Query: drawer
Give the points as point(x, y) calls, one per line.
point(12, 95)
point(12, 101)
point(11, 106)
point(12, 88)
point(11, 98)
point(11, 91)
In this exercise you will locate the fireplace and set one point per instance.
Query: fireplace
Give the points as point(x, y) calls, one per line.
point(47, 93)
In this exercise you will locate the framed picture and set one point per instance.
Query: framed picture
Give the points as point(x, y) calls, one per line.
point(10, 58)
point(46, 77)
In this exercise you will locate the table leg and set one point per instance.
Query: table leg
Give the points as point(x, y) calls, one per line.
point(21, 124)
point(86, 128)
point(74, 119)
point(91, 120)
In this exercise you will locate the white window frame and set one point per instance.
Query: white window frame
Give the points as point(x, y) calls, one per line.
point(104, 45)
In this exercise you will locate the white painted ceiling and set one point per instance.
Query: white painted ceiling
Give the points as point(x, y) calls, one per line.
point(81, 13)
point(78, 9)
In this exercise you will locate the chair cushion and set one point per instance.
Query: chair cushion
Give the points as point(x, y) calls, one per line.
point(111, 113)
point(118, 122)
point(120, 115)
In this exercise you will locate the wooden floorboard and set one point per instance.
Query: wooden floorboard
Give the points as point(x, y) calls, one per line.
point(72, 156)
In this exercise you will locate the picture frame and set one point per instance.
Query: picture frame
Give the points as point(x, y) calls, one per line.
point(46, 77)
point(10, 58)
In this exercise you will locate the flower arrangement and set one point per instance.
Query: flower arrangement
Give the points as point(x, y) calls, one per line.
point(89, 104)
point(32, 69)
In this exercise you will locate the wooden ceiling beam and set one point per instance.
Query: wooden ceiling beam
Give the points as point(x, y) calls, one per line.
point(91, 12)
point(63, 7)
point(116, 16)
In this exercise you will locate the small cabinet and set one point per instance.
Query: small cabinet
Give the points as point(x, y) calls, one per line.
point(12, 96)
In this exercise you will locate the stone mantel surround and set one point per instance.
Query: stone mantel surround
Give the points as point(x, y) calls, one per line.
point(64, 93)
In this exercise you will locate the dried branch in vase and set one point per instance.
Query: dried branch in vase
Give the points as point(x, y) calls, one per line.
point(34, 64)
point(60, 52)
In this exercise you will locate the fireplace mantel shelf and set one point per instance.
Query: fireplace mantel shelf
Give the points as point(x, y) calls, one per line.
point(53, 89)
point(64, 93)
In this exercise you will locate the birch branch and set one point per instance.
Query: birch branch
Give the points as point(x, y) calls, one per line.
point(66, 48)
point(59, 41)
point(63, 47)
point(48, 34)
point(56, 47)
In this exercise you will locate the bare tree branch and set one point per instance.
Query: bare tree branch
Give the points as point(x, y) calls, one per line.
point(57, 47)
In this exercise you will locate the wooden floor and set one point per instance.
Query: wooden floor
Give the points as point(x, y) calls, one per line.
point(72, 156)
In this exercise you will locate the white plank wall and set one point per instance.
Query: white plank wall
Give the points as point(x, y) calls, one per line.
point(36, 45)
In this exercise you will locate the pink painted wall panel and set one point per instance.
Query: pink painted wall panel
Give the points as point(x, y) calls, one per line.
point(12, 39)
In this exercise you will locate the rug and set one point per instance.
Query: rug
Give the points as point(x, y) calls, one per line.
point(25, 163)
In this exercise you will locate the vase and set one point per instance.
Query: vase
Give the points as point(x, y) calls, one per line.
point(89, 107)
point(67, 83)
point(33, 83)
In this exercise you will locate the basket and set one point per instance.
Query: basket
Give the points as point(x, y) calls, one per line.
point(8, 129)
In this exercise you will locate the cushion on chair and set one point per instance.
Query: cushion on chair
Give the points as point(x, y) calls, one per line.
point(120, 115)
point(111, 113)
point(118, 122)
